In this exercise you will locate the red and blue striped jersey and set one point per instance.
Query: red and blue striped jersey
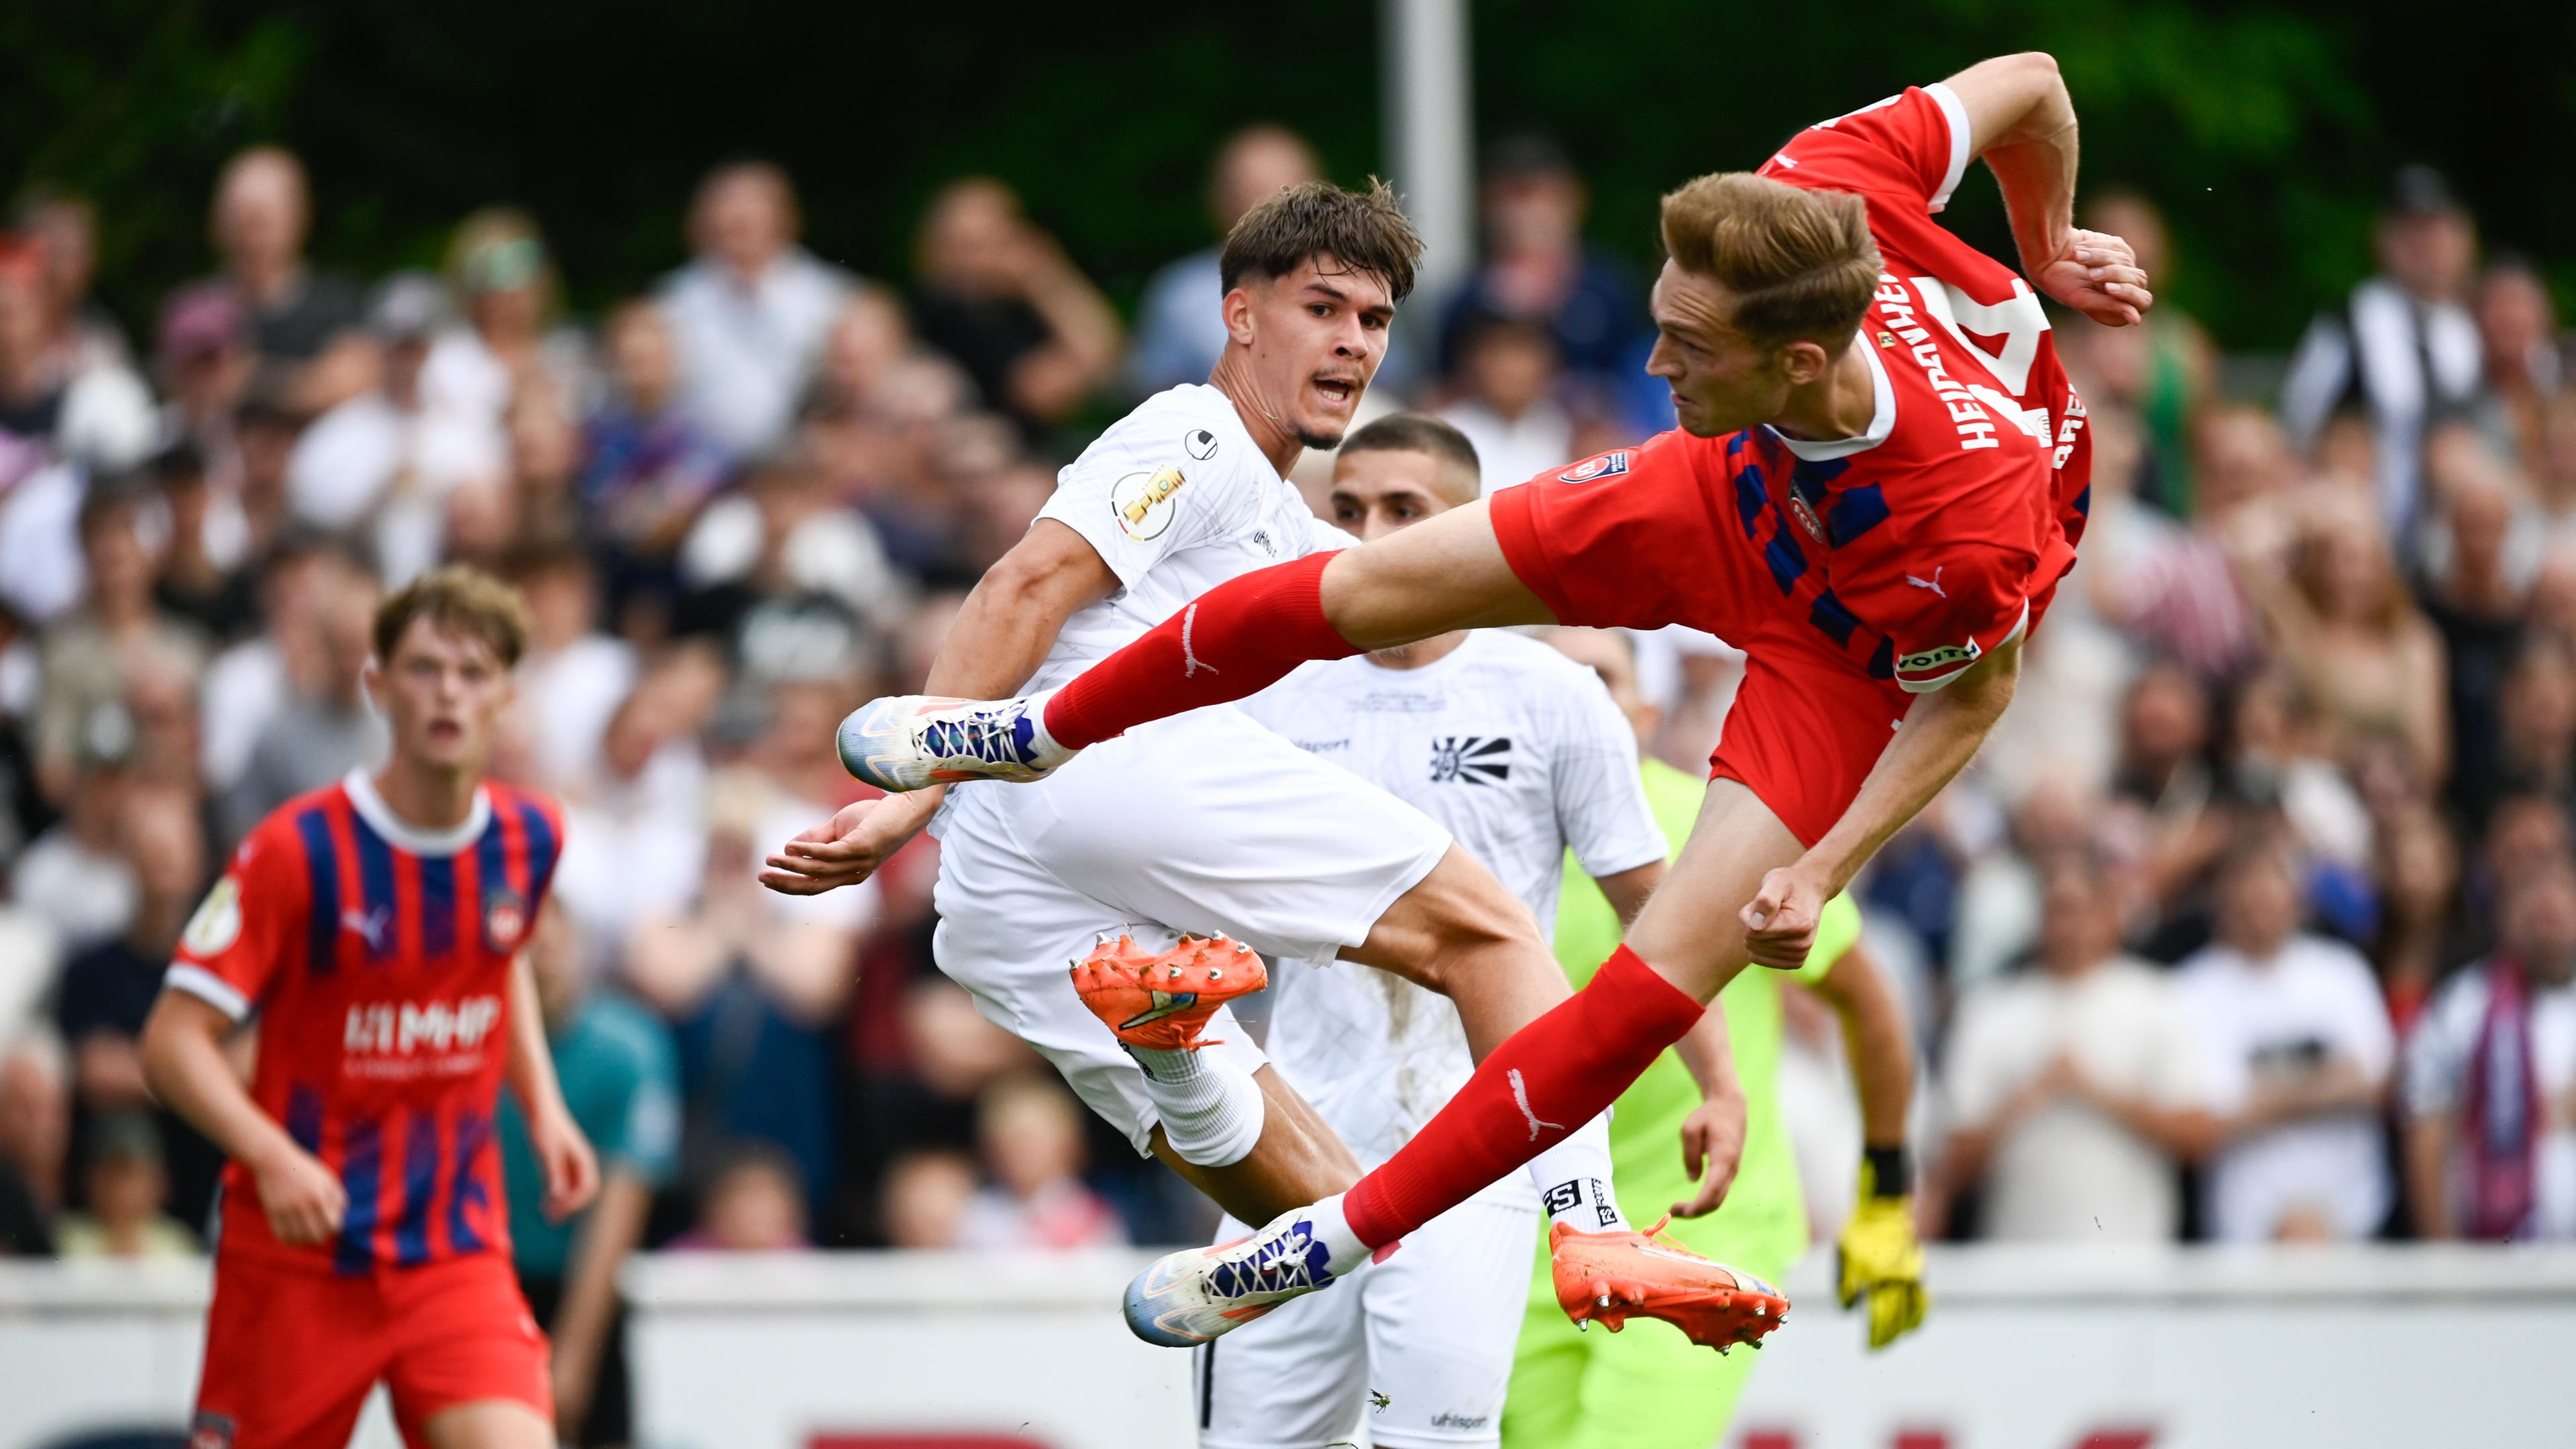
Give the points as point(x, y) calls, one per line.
point(377, 956)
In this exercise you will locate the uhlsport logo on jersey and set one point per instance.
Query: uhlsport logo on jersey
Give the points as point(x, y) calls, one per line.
point(1591, 468)
point(1200, 444)
point(1475, 759)
point(1143, 503)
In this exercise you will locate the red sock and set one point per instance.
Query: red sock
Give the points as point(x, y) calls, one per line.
point(1236, 639)
point(1545, 1080)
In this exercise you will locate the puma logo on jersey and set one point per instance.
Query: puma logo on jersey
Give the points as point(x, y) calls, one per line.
point(370, 926)
point(1933, 583)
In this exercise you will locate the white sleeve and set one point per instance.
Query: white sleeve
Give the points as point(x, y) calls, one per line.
point(1600, 789)
point(2205, 1006)
point(2438, 1051)
point(2181, 1073)
point(1324, 537)
point(2366, 1030)
point(1970, 1088)
point(1137, 495)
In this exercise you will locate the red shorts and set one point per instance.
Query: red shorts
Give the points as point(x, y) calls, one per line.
point(1809, 721)
point(292, 1351)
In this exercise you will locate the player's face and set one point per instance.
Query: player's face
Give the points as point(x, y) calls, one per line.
point(443, 692)
point(1315, 338)
point(1721, 381)
point(1384, 489)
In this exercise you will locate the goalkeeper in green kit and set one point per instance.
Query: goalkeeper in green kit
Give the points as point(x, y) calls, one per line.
point(1648, 1387)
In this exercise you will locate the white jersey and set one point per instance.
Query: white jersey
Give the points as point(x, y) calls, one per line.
point(1521, 754)
point(1177, 500)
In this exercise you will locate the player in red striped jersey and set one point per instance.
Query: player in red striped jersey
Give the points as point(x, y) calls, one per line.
point(374, 928)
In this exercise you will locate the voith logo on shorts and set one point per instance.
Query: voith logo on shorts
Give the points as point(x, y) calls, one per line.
point(405, 1028)
point(1143, 503)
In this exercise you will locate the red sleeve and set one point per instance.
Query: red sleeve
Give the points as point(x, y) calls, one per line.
point(233, 944)
point(1911, 147)
point(1949, 607)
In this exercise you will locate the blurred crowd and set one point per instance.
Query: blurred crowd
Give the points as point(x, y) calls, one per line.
point(2258, 920)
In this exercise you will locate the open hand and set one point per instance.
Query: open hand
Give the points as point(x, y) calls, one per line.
point(2098, 275)
point(849, 847)
point(1712, 1137)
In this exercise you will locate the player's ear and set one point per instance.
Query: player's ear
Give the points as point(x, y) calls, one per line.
point(1801, 362)
point(1237, 311)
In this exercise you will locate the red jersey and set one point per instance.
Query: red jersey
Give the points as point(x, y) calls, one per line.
point(378, 958)
point(1934, 533)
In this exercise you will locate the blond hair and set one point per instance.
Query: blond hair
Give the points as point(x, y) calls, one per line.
point(1800, 263)
point(463, 599)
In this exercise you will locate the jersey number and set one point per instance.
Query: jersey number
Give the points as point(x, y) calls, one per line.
point(2018, 319)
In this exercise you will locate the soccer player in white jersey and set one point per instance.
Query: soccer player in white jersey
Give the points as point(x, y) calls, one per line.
point(1207, 822)
point(1521, 754)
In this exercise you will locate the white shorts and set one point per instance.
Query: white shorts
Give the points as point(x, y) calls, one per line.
point(1432, 1331)
point(1206, 822)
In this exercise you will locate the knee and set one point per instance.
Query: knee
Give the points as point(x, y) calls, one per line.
point(1463, 922)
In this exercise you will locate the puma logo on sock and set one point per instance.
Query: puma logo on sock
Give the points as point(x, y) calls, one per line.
point(1520, 1094)
point(1191, 664)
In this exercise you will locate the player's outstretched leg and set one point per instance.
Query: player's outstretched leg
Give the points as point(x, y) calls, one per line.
point(914, 741)
point(1158, 1004)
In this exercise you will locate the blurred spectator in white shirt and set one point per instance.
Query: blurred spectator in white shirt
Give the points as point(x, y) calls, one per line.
point(1031, 1134)
point(1507, 376)
point(2076, 1090)
point(1002, 298)
point(573, 677)
point(1179, 328)
point(750, 312)
point(2300, 1052)
point(387, 455)
point(325, 726)
point(2490, 1088)
point(2404, 349)
point(73, 402)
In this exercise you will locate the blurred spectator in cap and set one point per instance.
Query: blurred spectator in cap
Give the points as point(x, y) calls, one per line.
point(1506, 378)
point(75, 875)
point(2518, 323)
point(513, 334)
point(203, 362)
point(1001, 297)
point(2300, 1050)
point(386, 459)
point(64, 227)
point(127, 1187)
point(2404, 347)
point(648, 465)
point(306, 324)
point(751, 310)
point(203, 580)
point(325, 726)
point(1538, 269)
point(2490, 1085)
point(90, 654)
point(35, 1122)
point(1030, 1131)
point(1180, 328)
point(87, 409)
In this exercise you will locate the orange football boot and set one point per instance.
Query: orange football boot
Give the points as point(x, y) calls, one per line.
point(1162, 1000)
point(1612, 1277)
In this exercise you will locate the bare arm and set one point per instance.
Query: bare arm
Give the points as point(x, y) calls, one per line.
point(2428, 1159)
point(1939, 735)
point(185, 1063)
point(580, 1329)
point(2022, 123)
point(1628, 889)
point(1875, 1042)
point(1713, 1134)
point(572, 1171)
point(1001, 636)
point(1083, 347)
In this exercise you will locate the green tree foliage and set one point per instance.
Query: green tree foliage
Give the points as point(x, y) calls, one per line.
point(2266, 130)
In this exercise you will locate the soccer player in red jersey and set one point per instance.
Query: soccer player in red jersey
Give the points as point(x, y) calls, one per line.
point(375, 927)
point(1879, 478)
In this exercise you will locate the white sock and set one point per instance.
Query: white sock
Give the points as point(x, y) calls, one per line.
point(1347, 1254)
point(1044, 752)
point(1212, 1110)
point(1573, 1180)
